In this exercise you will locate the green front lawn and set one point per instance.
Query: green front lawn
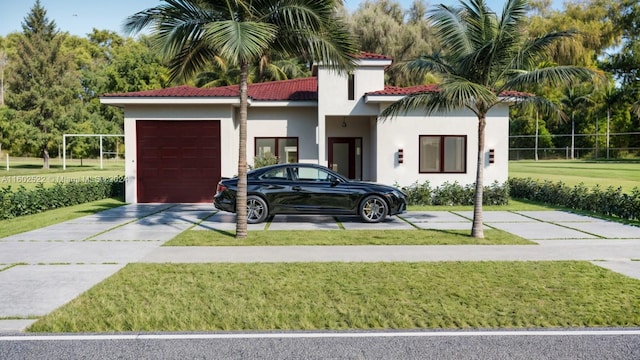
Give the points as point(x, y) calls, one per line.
point(36, 221)
point(345, 237)
point(321, 296)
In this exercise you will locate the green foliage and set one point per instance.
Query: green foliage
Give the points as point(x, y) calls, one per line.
point(42, 82)
point(384, 27)
point(264, 160)
point(609, 202)
point(24, 201)
point(455, 194)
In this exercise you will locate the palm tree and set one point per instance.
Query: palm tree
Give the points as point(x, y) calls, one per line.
point(268, 68)
point(610, 96)
point(484, 58)
point(191, 33)
point(573, 99)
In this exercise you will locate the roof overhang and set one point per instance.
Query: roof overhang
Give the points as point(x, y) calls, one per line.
point(378, 99)
point(125, 101)
point(381, 99)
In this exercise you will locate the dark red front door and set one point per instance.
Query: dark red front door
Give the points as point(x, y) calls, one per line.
point(178, 161)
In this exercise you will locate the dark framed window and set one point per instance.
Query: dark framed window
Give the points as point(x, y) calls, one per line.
point(351, 86)
point(443, 154)
point(283, 148)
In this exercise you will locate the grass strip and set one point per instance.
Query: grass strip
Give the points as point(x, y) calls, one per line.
point(320, 296)
point(513, 205)
point(342, 237)
point(36, 221)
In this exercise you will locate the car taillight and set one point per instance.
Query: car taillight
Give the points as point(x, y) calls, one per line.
point(220, 188)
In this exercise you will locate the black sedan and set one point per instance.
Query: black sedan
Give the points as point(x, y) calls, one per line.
point(309, 189)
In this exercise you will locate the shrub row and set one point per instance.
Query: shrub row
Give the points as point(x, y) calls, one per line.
point(610, 201)
point(455, 194)
point(24, 201)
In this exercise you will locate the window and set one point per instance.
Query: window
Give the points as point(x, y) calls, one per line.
point(351, 86)
point(283, 148)
point(312, 174)
point(443, 154)
point(275, 174)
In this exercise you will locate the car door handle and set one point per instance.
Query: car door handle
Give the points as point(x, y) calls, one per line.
point(296, 188)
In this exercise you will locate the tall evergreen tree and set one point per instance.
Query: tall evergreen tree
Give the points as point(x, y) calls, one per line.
point(43, 85)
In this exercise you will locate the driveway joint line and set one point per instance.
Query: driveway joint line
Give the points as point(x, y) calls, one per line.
point(128, 222)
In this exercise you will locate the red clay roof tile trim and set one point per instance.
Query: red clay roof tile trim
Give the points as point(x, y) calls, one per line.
point(395, 90)
point(303, 89)
point(372, 56)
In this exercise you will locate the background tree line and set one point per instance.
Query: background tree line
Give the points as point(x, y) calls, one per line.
point(51, 80)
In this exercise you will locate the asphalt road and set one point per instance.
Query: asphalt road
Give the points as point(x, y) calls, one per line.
point(561, 344)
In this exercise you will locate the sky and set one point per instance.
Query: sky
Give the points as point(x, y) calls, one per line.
point(79, 17)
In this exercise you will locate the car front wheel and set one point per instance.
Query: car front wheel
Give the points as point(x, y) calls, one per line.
point(373, 209)
point(257, 210)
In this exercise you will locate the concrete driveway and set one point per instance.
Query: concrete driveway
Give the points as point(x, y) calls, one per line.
point(43, 269)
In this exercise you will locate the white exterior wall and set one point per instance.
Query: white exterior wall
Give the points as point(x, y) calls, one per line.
point(403, 133)
point(333, 97)
point(133, 113)
point(314, 123)
point(297, 122)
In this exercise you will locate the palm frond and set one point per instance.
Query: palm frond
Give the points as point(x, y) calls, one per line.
point(426, 102)
point(239, 41)
point(534, 50)
point(635, 108)
point(454, 93)
point(451, 28)
point(188, 32)
point(553, 76)
point(544, 106)
point(424, 64)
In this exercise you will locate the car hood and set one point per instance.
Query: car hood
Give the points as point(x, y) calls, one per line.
point(372, 185)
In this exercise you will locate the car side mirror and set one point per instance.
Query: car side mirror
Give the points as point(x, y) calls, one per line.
point(334, 181)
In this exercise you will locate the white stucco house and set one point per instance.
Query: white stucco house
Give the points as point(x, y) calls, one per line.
point(180, 141)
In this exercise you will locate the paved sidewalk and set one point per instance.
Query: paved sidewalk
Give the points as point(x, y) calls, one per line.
point(43, 269)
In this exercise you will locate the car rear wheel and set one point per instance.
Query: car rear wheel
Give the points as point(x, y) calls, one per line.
point(373, 209)
point(257, 210)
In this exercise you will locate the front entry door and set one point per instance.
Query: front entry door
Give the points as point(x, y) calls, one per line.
point(345, 157)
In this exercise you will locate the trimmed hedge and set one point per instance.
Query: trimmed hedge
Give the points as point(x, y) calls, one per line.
point(609, 202)
point(25, 202)
point(455, 194)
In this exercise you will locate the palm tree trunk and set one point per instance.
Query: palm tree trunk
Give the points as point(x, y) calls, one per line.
point(241, 196)
point(537, 131)
point(476, 228)
point(45, 158)
point(573, 131)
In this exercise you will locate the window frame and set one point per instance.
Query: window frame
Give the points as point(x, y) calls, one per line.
point(277, 140)
point(442, 154)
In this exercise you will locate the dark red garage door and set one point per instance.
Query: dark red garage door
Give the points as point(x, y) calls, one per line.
point(178, 161)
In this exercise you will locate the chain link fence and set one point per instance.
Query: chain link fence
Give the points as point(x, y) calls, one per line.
point(585, 146)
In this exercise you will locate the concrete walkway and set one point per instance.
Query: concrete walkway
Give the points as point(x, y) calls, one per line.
point(43, 269)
